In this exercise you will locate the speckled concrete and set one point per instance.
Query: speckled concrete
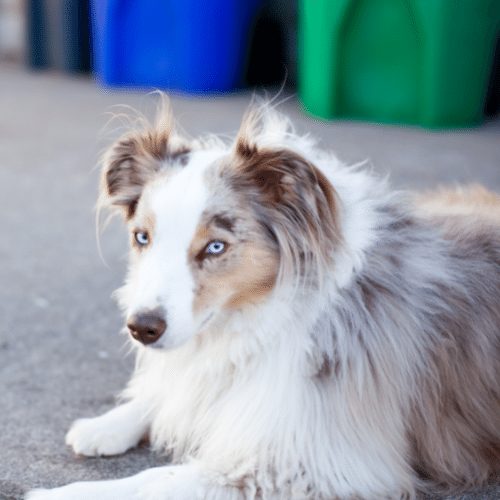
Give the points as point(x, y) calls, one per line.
point(61, 355)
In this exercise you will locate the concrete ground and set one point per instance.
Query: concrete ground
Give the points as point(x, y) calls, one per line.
point(61, 356)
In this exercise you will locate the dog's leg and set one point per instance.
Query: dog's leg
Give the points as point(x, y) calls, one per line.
point(110, 434)
point(176, 482)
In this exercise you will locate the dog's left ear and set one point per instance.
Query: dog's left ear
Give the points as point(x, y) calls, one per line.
point(291, 196)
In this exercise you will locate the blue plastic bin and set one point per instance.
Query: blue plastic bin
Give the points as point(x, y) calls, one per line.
point(187, 45)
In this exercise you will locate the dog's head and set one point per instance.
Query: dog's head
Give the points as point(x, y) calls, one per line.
point(215, 230)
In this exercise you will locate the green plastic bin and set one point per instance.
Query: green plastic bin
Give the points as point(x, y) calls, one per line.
point(425, 62)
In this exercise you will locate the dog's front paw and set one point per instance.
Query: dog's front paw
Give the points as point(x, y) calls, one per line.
point(100, 436)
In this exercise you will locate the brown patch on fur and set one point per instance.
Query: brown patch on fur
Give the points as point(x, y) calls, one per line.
point(244, 148)
point(472, 201)
point(200, 239)
point(245, 274)
point(254, 277)
point(143, 220)
point(293, 202)
point(285, 176)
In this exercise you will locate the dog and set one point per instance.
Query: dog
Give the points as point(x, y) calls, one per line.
point(302, 331)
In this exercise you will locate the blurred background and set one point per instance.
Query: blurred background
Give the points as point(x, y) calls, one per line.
point(430, 62)
point(412, 87)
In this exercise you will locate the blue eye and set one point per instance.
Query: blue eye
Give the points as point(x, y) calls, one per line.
point(215, 248)
point(142, 238)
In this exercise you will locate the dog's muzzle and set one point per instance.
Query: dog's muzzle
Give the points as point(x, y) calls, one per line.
point(147, 327)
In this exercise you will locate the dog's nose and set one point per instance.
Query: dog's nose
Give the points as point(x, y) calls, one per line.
point(146, 327)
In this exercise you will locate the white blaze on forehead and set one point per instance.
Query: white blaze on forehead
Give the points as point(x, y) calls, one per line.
point(162, 274)
point(178, 201)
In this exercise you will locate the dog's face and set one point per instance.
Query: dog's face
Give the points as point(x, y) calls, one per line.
point(196, 255)
point(213, 229)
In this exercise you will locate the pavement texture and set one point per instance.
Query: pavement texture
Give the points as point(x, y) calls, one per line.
point(61, 353)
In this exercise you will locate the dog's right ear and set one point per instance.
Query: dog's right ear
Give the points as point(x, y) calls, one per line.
point(128, 165)
point(135, 158)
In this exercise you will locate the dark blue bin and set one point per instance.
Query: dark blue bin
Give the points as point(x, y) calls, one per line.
point(58, 34)
point(187, 45)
